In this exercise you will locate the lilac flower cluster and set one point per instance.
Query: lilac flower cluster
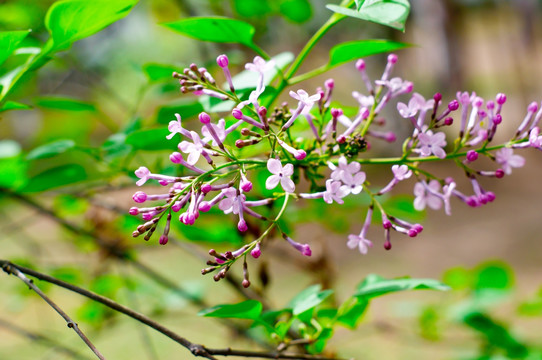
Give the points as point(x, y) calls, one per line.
point(220, 175)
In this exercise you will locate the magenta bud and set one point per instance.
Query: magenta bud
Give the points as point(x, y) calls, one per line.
point(239, 143)
point(501, 98)
point(490, 104)
point(472, 155)
point(533, 107)
point(139, 197)
point(329, 83)
point(387, 245)
point(392, 58)
point(409, 87)
point(341, 139)
point(386, 224)
point(390, 137)
point(163, 182)
point(176, 157)
point(497, 119)
point(499, 173)
point(262, 111)
point(133, 211)
point(222, 60)
point(242, 225)
point(238, 114)
point(472, 201)
point(336, 112)
point(453, 105)
point(204, 206)
point(256, 252)
point(163, 240)
point(490, 195)
point(147, 216)
point(448, 121)
point(478, 101)
point(204, 118)
point(176, 207)
point(245, 283)
point(412, 233)
point(300, 154)
point(418, 228)
point(246, 186)
point(206, 188)
point(360, 65)
point(306, 250)
point(437, 97)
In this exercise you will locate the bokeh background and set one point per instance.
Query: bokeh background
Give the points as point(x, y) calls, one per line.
point(482, 46)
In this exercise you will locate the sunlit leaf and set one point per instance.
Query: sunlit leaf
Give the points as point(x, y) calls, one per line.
point(495, 275)
point(160, 72)
point(9, 40)
point(55, 177)
point(51, 149)
point(12, 166)
point(249, 309)
point(64, 103)
point(70, 20)
point(308, 299)
point(151, 139)
point(392, 13)
point(13, 105)
point(353, 50)
point(297, 11)
point(351, 311)
point(215, 29)
point(375, 285)
point(251, 8)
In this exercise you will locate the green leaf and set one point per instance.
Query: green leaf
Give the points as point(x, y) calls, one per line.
point(55, 177)
point(160, 72)
point(308, 299)
point(213, 105)
point(495, 275)
point(318, 346)
point(64, 103)
point(51, 149)
point(13, 105)
point(215, 29)
point(349, 51)
point(375, 285)
point(392, 13)
point(251, 8)
point(249, 79)
point(249, 309)
point(9, 40)
point(12, 166)
point(458, 278)
point(70, 20)
point(151, 139)
point(187, 108)
point(9, 149)
point(350, 312)
point(297, 11)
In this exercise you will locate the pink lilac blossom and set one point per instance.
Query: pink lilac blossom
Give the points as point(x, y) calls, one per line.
point(426, 198)
point(280, 174)
point(509, 160)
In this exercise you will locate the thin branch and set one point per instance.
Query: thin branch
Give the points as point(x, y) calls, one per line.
point(195, 349)
point(13, 270)
point(41, 338)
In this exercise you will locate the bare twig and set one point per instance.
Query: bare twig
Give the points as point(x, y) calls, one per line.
point(195, 349)
point(13, 270)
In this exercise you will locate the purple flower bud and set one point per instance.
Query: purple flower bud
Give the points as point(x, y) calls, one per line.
point(472, 201)
point(336, 112)
point(341, 139)
point(453, 105)
point(472, 155)
point(490, 195)
point(497, 119)
point(242, 225)
point(262, 111)
point(390, 136)
point(246, 186)
point(412, 233)
point(499, 173)
point(478, 102)
point(245, 283)
point(204, 206)
point(139, 197)
point(418, 228)
point(329, 83)
point(392, 58)
point(437, 97)
point(238, 114)
point(387, 245)
point(533, 107)
point(300, 154)
point(176, 158)
point(204, 118)
point(256, 252)
point(222, 60)
point(360, 65)
point(206, 188)
point(133, 211)
point(163, 240)
point(501, 98)
point(386, 224)
point(147, 216)
point(163, 182)
point(490, 104)
point(448, 121)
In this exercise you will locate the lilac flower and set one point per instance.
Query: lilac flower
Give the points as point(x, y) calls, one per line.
point(260, 65)
point(335, 191)
point(280, 174)
point(364, 101)
point(304, 249)
point(144, 174)
point(401, 172)
point(447, 193)
point(353, 183)
point(414, 105)
point(430, 143)
point(175, 127)
point(360, 241)
point(508, 160)
point(220, 130)
point(232, 203)
point(425, 197)
point(194, 149)
point(343, 167)
point(303, 97)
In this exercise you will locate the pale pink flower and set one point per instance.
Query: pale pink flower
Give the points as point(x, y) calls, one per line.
point(508, 160)
point(193, 149)
point(430, 143)
point(427, 198)
point(343, 167)
point(303, 97)
point(280, 174)
point(359, 241)
point(335, 191)
point(260, 65)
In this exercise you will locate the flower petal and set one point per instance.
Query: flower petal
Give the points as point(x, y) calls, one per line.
point(274, 166)
point(288, 170)
point(287, 184)
point(272, 182)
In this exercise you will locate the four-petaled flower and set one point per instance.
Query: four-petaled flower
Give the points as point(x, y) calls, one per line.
point(432, 144)
point(343, 167)
point(401, 172)
point(232, 203)
point(280, 174)
point(220, 130)
point(359, 241)
point(303, 97)
point(194, 149)
point(425, 197)
point(260, 65)
point(335, 190)
point(353, 183)
point(508, 160)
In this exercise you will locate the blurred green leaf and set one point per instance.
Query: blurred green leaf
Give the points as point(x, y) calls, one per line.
point(214, 105)
point(64, 103)
point(70, 20)
point(187, 108)
point(249, 309)
point(458, 278)
point(497, 335)
point(342, 53)
point(51, 149)
point(160, 72)
point(9, 40)
point(308, 299)
point(251, 8)
point(9, 149)
point(375, 285)
point(318, 346)
point(69, 205)
point(215, 29)
point(392, 13)
point(495, 275)
point(351, 311)
point(151, 139)
point(55, 177)
point(428, 321)
point(249, 79)
point(13, 105)
point(115, 146)
point(297, 11)
point(69, 274)
point(12, 166)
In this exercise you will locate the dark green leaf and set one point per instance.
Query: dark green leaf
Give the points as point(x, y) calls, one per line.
point(297, 11)
point(64, 103)
point(249, 309)
point(13, 105)
point(375, 285)
point(392, 13)
point(186, 108)
point(51, 149)
point(151, 139)
point(215, 29)
point(350, 312)
point(72, 20)
point(55, 177)
point(9, 40)
point(308, 299)
point(349, 51)
point(115, 146)
point(160, 72)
